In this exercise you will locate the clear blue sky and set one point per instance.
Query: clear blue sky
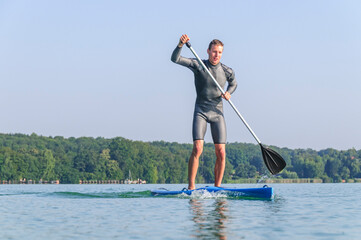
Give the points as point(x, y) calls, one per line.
point(102, 68)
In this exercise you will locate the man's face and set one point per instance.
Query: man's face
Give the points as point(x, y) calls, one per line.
point(215, 54)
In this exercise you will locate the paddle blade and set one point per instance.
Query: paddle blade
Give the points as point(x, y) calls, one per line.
point(274, 162)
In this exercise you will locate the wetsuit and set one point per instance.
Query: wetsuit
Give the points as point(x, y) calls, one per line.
point(209, 105)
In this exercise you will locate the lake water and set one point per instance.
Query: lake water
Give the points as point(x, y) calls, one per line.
point(298, 211)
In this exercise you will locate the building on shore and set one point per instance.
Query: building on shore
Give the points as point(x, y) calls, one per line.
point(126, 181)
point(30, 181)
point(138, 181)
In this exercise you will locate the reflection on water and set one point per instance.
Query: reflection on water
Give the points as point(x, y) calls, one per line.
point(210, 218)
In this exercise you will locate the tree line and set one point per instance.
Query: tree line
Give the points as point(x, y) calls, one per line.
point(72, 159)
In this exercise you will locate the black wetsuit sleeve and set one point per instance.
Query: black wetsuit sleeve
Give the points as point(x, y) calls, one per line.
point(231, 79)
point(187, 62)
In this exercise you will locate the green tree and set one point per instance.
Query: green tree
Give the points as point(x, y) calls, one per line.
point(8, 169)
point(332, 167)
point(289, 174)
point(151, 173)
point(49, 173)
point(345, 173)
point(113, 171)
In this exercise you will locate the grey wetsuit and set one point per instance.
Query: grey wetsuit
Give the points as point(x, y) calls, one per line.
point(209, 105)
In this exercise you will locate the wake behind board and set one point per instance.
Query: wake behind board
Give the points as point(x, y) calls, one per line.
point(265, 192)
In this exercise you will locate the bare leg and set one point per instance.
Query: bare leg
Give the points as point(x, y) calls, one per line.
point(194, 162)
point(220, 164)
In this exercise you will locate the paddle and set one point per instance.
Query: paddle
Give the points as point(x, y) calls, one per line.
point(273, 160)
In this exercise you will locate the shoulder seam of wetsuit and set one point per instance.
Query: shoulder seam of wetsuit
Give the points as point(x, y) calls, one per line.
point(229, 71)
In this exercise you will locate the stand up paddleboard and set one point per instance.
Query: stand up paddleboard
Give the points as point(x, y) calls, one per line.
point(265, 192)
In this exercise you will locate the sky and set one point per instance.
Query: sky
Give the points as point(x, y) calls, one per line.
point(102, 69)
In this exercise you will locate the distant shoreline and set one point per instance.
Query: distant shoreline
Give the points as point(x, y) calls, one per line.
point(291, 180)
point(238, 181)
point(34, 158)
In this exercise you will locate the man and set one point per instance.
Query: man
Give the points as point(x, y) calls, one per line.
point(208, 106)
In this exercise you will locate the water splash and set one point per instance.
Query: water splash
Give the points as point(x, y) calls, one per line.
point(203, 194)
point(264, 178)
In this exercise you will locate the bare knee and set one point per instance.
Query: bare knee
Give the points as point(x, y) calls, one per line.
point(220, 151)
point(197, 148)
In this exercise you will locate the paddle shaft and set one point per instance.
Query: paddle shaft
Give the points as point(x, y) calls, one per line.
point(223, 92)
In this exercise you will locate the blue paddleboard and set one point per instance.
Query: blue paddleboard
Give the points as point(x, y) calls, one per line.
point(265, 192)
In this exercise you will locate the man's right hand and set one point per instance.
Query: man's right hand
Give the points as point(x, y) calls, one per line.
point(183, 39)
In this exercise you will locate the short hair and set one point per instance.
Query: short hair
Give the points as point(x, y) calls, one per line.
point(214, 42)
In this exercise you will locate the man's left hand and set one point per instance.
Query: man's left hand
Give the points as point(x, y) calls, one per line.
point(226, 96)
